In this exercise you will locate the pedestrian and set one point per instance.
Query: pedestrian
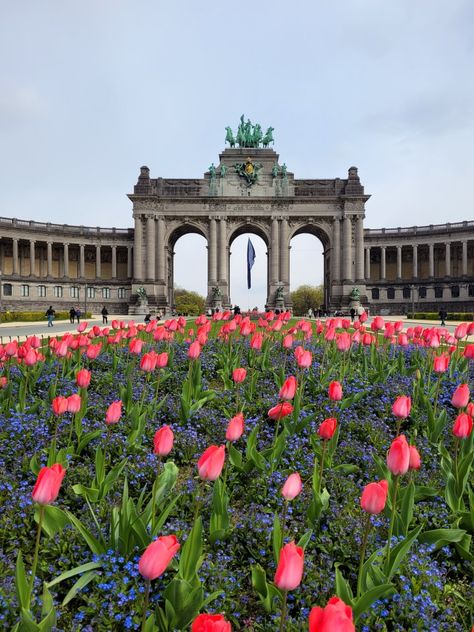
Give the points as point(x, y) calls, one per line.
point(104, 313)
point(443, 314)
point(147, 318)
point(50, 314)
point(77, 311)
point(72, 314)
point(353, 313)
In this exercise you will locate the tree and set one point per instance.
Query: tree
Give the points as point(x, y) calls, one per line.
point(187, 302)
point(305, 297)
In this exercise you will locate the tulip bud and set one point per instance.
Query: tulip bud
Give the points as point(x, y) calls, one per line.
point(462, 426)
point(74, 403)
point(327, 428)
point(288, 389)
point(401, 406)
point(194, 350)
point(239, 375)
point(157, 556)
point(461, 396)
point(290, 567)
point(235, 428)
point(398, 458)
point(335, 391)
point(211, 463)
point(210, 623)
point(48, 483)
point(59, 405)
point(335, 617)
point(292, 487)
point(83, 378)
point(163, 441)
point(374, 497)
point(415, 459)
point(280, 410)
point(114, 412)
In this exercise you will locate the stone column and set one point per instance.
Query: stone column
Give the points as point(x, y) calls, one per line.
point(447, 266)
point(274, 267)
point(15, 256)
point(222, 250)
point(49, 249)
point(415, 261)
point(161, 249)
point(98, 267)
point(129, 262)
point(367, 263)
point(66, 260)
point(212, 253)
point(32, 257)
point(431, 259)
point(137, 249)
point(150, 247)
point(347, 249)
point(114, 262)
point(399, 262)
point(383, 266)
point(284, 253)
point(82, 261)
point(360, 249)
point(336, 250)
point(464, 258)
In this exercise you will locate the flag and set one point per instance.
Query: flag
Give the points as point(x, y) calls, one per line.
point(250, 262)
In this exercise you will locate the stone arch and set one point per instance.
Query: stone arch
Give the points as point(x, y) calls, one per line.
point(323, 232)
point(176, 230)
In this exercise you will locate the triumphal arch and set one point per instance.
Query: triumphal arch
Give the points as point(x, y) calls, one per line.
point(249, 190)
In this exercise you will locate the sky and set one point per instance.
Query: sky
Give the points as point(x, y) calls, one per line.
point(91, 91)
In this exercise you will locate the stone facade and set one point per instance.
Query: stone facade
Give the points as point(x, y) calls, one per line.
point(393, 269)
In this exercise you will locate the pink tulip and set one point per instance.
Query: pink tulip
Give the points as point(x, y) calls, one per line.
point(235, 428)
point(211, 463)
point(148, 362)
point(343, 342)
point(292, 487)
point(374, 497)
point(304, 359)
point(462, 426)
point(239, 375)
point(440, 363)
point(211, 623)
point(82, 326)
point(288, 389)
point(288, 341)
point(256, 341)
point(114, 412)
point(163, 441)
point(59, 405)
point(401, 406)
point(461, 331)
point(48, 483)
point(289, 572)
point(398, 458)
point(74, 403)
point(194, 350)
point(415, 459)
point(161, 360)
point(461, 396)
point(157, 556)
point(335, 617)
point(280, 410)
point(83, 378)
point(335, 391)
point(93, 351)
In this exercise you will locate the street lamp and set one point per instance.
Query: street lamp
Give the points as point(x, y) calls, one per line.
point(412, 301)
point(1, 292)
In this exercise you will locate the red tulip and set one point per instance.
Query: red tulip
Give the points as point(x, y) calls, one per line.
point(415, 459)
point(256, 341)
point(288, 389)
point(335, 617)
point(211, 463)
point(335, 391)
point(135, 346)
point(74, 403)
point(292, 487)
point(290, 567)
point(31, 357)
point(280, 410)
point(3, 382)
point(461, 331)
point(157, 556)
point(469, 352)
point(460, 396)
point(327, 428)
point(235, 428)
point(161, 360)
point(163, 441)
point(194, 350)
point(114, 412)
point(374, 497)
point(48, 483)
point(288, 341)
point(304, 359)
point(377, 324)
point(93, 351)
point(59, 405)
point(462, 426)
point(239, 375)
point(398, 458)
point(401, 406)
point(210, 623)
point(469, 409)
point(343, 341)
point(83, 378)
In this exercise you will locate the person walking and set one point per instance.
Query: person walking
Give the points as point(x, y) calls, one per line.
point(104, 313)
point(77, 312)
point(72, 315)
point(50, 314)
point(443, 314)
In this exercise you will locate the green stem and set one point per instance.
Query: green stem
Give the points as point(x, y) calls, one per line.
point(283, 612)
point(283, 521)
point(362, 553)
point(145, 603)
point(153, 498)
point(438, 384)
point(321, 467)
point(456, 450)
point(390, 531)
point(35, 558)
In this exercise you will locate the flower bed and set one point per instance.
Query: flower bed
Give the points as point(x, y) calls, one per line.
point(342, 492)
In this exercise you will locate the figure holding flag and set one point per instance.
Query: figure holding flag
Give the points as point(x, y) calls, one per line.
point(250, 262)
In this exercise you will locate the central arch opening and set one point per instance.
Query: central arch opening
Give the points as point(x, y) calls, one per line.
point(256, 296)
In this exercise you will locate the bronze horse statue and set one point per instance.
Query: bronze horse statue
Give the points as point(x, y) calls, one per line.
point(229, 137)
point(268, 138)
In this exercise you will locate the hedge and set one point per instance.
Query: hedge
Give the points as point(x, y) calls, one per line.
point(435, 316)
point(8, 317)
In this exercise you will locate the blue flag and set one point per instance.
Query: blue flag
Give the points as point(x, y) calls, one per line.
point(250, 262)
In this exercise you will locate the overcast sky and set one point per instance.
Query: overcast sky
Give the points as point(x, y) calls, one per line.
point(92, 90)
